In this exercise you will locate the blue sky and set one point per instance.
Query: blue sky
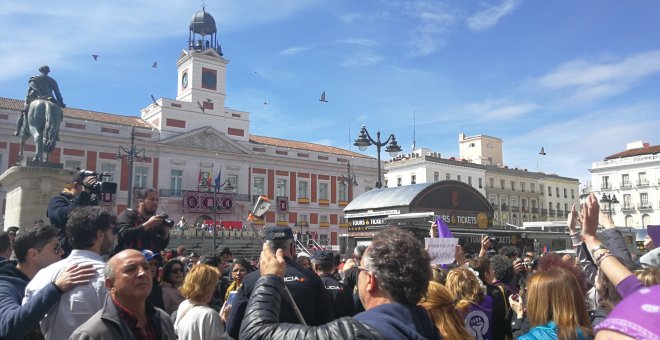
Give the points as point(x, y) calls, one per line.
point(580, 78)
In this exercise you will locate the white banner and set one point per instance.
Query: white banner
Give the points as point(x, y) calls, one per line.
point(441, 250)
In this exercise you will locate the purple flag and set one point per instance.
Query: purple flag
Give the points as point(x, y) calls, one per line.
point(443, 229)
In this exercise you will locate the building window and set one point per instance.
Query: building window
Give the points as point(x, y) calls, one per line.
point(258, 186)
point(140, 177)
point(627, 201)
point(625, 180)
point(514, 219)
point(343, 192)
point(280, 188)
point(323, 239)
point(323, 191)
point(458, 178)
point(502, 184)
point(110, 169)
point(398, 181)
point(532, 187)
point(436, 176)
point(70, 164)
point(491, 182)
point(233, 180)
point(302, 189)
point(566, 207)
point(481, 182)
point(541, 189)
point(646, 219)
point(323, 218)
point(549, 205)
point(413, 179)
point(644, 199)
point(606, 183)
point(281, 216)
point(469, 180)
point(557, 191)
point(572, 193)
point(447, 176)
point(513, 185)
point(522, 186)
point(565, 193)
point(629, 221)
point(176, 178)
point(642, 179)
point(549, 191)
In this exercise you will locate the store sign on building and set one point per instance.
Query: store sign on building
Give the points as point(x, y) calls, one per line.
point(465, 219)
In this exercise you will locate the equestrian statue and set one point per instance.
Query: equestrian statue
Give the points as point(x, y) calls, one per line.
point(41, 115)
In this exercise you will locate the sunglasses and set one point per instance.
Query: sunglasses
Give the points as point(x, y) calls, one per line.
point(177, 270)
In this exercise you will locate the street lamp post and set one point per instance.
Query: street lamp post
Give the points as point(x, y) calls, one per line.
point(132, 155)
point(349, 179)
point(228, 187)
point(609, 200)
point(365, 140)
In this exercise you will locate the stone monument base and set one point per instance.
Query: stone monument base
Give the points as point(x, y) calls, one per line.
point(30, 186)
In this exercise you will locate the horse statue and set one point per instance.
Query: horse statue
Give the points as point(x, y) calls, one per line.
point(43, 124)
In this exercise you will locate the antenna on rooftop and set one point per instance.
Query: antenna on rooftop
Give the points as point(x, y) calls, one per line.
point(414, 146)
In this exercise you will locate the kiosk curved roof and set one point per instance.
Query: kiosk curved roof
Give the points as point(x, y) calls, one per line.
point(388, 197)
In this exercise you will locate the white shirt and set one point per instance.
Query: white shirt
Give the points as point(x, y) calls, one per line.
point(77, 305)
point(198, 323)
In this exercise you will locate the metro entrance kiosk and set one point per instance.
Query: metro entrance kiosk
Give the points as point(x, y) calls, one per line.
point(414, 207)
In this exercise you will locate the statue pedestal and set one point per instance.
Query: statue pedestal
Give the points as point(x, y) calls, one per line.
point(29, 189)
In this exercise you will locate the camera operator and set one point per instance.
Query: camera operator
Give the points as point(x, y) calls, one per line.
point(61, 205)
point(142, 228)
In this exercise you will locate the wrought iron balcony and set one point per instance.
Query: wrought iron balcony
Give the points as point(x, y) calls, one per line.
point(643, 183)
point(645, 206)
point(626, 185)
point(628, 207)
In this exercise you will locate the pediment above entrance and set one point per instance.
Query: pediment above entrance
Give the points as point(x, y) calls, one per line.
point(206, 138)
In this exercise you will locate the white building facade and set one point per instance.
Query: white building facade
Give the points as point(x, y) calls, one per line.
point(633, 177)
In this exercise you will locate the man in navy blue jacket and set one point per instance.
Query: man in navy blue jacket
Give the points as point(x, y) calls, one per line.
point(393, 277)
point(35, 249)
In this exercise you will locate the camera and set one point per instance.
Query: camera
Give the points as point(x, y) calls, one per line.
point(99, 188)
point(166, 220)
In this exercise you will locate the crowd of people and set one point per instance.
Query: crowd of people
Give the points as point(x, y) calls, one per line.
point(94, 275)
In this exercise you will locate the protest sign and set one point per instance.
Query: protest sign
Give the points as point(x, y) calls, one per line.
point(441, 250)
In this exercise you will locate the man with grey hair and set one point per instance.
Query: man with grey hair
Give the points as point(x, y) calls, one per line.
point(306, 288)
point(126, 313)
point(90, 230)
point(393, 277)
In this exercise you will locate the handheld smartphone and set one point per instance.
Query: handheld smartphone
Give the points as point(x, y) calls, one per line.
point(230, 298)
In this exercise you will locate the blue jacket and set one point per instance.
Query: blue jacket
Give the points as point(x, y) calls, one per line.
point(398, 321)
point(548, 332)
point(17, 321)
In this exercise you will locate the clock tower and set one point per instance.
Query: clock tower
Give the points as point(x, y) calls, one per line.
point(201, 68)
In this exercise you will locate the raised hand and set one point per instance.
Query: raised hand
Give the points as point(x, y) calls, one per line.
point(590, 217)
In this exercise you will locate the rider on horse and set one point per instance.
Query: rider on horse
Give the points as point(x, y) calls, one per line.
point(41, 87)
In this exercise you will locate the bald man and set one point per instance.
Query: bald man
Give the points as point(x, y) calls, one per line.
point(126, 313)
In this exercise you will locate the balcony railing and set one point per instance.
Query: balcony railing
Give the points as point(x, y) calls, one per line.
point(535, 210)
point(645, 206)
point(551, 212)
point(169, 192)
point(606, 186)
point(504, 207)
point(514, 208)
point(628, 207)
point(643, 183)
point(560, 213)
point(544, 211)
point(625, 185)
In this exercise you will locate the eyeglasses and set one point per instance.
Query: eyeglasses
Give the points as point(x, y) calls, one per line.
point(57, 249)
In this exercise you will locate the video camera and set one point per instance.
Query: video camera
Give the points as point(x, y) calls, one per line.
point(166, 220)
point(99, 188)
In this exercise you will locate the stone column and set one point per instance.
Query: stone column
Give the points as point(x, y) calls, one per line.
point(29, 188)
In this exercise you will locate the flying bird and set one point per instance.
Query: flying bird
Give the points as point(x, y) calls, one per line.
point(154, 99)
point(265, 102)
point(200, 106)
point(542, 152)
point(95, 56)
point(322, 99)
point(155, 65)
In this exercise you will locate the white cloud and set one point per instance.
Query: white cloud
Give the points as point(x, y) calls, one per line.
point(435, 22)
point(362, 58)
point(511, 111)
point(490, 16)
point(500, 109)
point(357, 41)
point(294, 50)
point(350, 18)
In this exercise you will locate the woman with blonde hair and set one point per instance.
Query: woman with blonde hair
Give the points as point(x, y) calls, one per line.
point(556, 307)
point(440, 305)
point(195, 320)
point(471, 302)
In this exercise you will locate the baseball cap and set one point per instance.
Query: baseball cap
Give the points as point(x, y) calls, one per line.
point(150, 255)
point(279, 233)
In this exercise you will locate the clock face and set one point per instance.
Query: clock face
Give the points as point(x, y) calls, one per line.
point(184, 80)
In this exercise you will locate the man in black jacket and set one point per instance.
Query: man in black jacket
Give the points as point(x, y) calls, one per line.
point(306, 288)
point(142, 229)
point(393, 277)
point(341, 297)
point(60, 206)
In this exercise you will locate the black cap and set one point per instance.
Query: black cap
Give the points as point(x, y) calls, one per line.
point(12, 228)
point(324, 256)
point(225, 251)
point(279, 233)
